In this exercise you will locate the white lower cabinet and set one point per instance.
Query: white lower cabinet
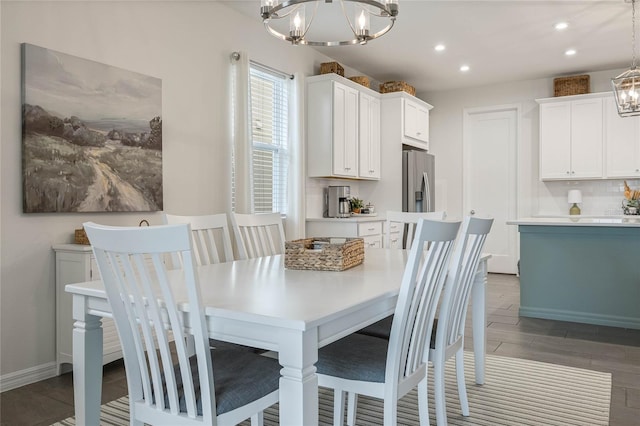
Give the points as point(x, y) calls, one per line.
point(370, 231)
point(395, 235)
point(74, 264)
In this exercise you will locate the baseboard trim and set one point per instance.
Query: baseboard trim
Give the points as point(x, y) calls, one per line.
point(27, 376)
point(582, 317)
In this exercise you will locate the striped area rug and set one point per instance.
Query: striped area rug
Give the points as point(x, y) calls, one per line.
point(516, 392)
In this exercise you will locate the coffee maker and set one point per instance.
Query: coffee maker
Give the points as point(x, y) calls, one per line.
point(336, 201)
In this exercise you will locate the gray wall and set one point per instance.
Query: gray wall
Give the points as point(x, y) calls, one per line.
point(187, 45)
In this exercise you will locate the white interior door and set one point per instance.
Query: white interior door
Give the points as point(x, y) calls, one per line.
point(489, 178)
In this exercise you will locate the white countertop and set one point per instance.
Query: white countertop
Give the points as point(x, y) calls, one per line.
point(615, 221)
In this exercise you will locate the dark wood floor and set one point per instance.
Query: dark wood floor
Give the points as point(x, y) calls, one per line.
point(608, 349)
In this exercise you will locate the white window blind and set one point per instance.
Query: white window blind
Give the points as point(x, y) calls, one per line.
point(269, 109)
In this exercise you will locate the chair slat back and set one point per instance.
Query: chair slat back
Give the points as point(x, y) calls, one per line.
point(405, 223)
point(464, 264)
point(420, 290)
point(144, 298)
point(211, 237)
point(258, 235)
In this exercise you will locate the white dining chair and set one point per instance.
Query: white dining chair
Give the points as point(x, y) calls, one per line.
point(449, 327)
point(400, 226)
point(166, 384)
point(210, 235)
point(211, 244)
point(258, 235)
point(447, 338)
point(389, 369)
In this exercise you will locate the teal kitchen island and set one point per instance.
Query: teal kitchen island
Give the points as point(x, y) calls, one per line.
point(581, 269)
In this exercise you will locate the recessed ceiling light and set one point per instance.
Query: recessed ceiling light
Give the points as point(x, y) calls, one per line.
point(464, 68)
point(561, 26)
point(440, 47)
point(570, 52)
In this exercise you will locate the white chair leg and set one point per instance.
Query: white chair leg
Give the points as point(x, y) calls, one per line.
point(390, 413)
point(352, 408)
point(257, 419)
point(438, 387)
point(338, 407)
point(462, 388)
point(423, 402)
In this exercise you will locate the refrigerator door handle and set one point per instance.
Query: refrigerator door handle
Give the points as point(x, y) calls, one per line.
point(427, 191)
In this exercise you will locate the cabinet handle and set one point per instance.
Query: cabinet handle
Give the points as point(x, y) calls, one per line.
point(637, 170)
point(371, 229)
point(395, 240)
point(572, 172)
point(567, 171)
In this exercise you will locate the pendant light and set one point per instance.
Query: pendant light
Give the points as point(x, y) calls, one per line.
point(360, 31)
point(626, 86)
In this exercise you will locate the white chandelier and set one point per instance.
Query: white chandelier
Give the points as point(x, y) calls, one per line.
point(626, 86)
point(272, 10)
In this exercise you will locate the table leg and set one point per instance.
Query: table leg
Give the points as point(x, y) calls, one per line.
point(478, 320)
point(299, 384)
point(87, 364)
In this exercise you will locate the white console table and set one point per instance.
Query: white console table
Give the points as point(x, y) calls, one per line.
point(74, 264)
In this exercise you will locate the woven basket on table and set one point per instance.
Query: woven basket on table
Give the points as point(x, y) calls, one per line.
point(574, 85)
point(299, 254)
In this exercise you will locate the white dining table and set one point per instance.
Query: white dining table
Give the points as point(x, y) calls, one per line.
point(259, 303)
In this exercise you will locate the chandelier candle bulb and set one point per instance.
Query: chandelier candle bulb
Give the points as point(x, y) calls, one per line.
point(362, 19)
point(296, 28)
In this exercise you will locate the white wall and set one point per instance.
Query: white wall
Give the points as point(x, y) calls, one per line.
point(187, 45)
point(534, 197)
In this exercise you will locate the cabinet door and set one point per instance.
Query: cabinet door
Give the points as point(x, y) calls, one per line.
point(416, 121)
point(345, 131)
point(586, 138)
point(369, 165)
point(555, 141)
point(622, 142)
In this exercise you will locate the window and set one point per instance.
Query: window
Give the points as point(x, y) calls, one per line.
point(269, 112)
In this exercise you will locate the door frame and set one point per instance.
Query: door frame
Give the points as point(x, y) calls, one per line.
point(466, 120)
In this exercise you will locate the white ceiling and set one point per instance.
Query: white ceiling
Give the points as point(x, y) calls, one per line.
point(500, 40)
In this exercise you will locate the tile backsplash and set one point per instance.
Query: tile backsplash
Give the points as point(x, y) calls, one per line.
point(599, 197)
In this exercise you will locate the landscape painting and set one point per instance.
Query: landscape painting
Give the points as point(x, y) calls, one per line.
point(91, 135)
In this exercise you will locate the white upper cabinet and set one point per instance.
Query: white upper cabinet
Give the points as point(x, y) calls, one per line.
point(406, 120)
point(622, 142)
point(369, 166)
point(343, 129)
point(571, 138)
point(416, 121)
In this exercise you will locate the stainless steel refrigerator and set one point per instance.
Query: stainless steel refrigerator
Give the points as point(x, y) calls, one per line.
point(418, 181)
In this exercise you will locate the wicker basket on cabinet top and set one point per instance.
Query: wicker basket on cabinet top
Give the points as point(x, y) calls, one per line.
point(573, 85)
point(329, 67)
point(361, 80)
point(397, 86)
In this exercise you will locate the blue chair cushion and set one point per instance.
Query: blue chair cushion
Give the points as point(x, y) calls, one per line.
point(355, 357)
point(382, 330)
point(239, 376)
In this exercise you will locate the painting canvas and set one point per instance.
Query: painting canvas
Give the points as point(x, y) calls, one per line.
point(91, 135)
